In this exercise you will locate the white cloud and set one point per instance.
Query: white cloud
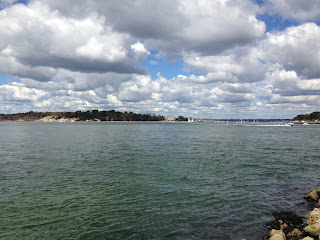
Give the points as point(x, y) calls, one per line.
point(19, 93)
point(240, 64)
point(10, 66)
point(305, 100)
point(294, 49)
point(296, 9)
point(139, 48)
point(210, 27)
point(52, 40)
point(70, 55)
point(102, 49)
point(138, 89)
point(288, 83)
point(173, 26)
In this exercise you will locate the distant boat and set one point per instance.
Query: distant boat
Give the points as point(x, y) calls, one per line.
point(289, 124)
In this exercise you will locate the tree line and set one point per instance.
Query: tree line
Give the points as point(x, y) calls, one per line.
point(93, 115)
point(308, 117)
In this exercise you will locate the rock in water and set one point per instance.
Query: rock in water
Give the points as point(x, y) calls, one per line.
point(289, 226)
point(314, 223)
point(313, 196)
point(295, 232)
point(288, 218)
point(313, 229)
point(314, 216)
point(277, 235)
point(275, 224)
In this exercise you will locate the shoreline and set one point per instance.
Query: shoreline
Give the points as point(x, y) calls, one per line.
point(72, 120)
point(289, 226)
point(86, 121)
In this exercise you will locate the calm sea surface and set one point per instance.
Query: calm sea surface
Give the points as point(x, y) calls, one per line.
point(152, 180)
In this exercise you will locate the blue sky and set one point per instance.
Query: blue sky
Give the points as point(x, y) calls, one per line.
point(205, 59)
point(169, 69)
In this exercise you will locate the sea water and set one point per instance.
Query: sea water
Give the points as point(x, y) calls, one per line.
point(152, 180)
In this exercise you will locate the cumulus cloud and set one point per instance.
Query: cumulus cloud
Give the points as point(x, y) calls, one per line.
point(294, 48)
point(288, 83)
point(16, 97)
point(138, 89)
point(140, 93)
point(240, 64)
point(289, 65)
point(89, 56)
point(173, 26)
point(35, 36)
point(211, 27)
point(296, 9)
point(10, 66)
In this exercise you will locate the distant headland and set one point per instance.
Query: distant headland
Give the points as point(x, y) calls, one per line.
point(312, 118)
point(84, 116)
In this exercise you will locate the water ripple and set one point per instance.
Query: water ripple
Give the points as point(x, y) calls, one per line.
point(151, 181)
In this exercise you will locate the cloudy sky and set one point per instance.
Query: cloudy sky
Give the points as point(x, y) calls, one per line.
point(199, 58)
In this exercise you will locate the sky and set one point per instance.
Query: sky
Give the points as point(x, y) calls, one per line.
point(195, 58)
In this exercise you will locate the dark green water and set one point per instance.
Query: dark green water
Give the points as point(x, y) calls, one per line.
point(152, 181)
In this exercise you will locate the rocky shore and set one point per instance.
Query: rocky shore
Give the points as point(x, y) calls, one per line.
point(289, 226)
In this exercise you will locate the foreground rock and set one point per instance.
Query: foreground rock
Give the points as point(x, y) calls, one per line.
point(277, 235)
point(289, 226)
point(313, 229)
point(313, 196)
point(314, 216)
point(314, 223)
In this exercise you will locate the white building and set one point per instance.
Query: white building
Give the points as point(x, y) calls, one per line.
point(170, 118)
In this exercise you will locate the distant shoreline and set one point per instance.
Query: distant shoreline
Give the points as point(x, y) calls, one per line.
point(86, 121)
point(49, 119)
point(116, 116)
point(164, 121)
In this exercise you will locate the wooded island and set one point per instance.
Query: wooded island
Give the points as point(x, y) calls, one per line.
point(94, 115)
point(315, 116)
